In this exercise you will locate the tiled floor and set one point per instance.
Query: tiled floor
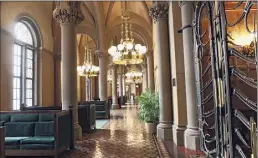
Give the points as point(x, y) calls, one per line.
point(124, 136)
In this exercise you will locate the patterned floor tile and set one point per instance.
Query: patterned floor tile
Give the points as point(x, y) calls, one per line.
point(123, 137)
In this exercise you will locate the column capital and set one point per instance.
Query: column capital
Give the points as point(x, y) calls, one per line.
point(101, 54)
point(68, 12)
point(159, 10)
point(181, 3)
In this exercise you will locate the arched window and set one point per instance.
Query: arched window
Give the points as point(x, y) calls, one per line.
point(24, 63)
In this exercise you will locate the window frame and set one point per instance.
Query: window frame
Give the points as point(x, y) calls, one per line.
point(23, 67)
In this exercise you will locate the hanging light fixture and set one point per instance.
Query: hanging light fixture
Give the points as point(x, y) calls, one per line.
point(88, 69)
point(127, 52)
point(133, 75)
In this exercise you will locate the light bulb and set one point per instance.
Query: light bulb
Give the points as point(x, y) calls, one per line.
point(129, 45)
point(120, 47)
point(137, 47)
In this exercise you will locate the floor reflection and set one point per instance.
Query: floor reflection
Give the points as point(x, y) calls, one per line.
point(124, 136)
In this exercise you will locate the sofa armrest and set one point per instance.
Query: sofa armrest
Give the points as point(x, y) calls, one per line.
point(2, 142)
point(64, 129)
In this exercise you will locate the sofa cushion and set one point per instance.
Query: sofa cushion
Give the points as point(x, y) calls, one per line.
point(46, 117)
point(25, 117)
point(44, 128)
point(12, 146)
point(37, 146)
point(19, 129)
point(5, 117)
point(14, 140)
point(38, 140)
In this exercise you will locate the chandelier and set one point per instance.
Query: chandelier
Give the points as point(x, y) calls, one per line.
point(127, 52)
point(88, 69)
point(133, 76)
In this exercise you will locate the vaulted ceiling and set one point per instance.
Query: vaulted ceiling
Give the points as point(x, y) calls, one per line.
point(107, 17)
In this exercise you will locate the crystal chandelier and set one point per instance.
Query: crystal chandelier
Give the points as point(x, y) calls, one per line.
point(88, 69)
point(127, 52)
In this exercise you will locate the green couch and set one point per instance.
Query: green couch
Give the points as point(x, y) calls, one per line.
point(37, 133)
point(102, 109)
point(2, 147)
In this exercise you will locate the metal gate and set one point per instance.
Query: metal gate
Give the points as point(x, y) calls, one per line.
point(226, 77)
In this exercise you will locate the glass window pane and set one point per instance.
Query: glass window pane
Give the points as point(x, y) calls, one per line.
point(18, 93)
point(14, 94)
point(29, 64)
point(29, 54)
point(29, 102)
point(29, 73)
point(14, 83)
point(29, 84)
point(28, 93)
point(22, 33)
point(18, 83)
point(14, 105)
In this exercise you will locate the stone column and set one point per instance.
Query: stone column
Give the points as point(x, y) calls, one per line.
point(159, 13)
point(114, 87)
point(144, 77)
point(109, 88)
point(120, 80)
point(177, 74)
point(150, 70)
point(192, 136)
point(69, 15)
point(103, 56)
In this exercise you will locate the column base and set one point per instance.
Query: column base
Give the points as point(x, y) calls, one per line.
point(192, 139)
point(77, 132)
point(115, 106)
point(178, 134)
point(164, 131)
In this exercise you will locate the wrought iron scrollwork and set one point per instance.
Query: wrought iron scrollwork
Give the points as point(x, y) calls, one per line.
point(225, 106)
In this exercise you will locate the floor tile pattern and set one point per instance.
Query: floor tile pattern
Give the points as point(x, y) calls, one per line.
point(123, 137)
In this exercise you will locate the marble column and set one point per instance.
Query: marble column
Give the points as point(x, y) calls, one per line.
point(109, 88)
point(150, 69)
point(159, 13)
point(69, 16)
point(192, 135)
point(103, 56)
point(114, 87)
point(120, 80)
point(177, 74)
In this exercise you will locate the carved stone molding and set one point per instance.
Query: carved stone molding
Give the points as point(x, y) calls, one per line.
point(181, 3)
point(102, 54)
point(68, 14)
point(159, 10)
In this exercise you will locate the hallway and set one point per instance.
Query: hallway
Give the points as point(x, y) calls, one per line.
point(123, 136)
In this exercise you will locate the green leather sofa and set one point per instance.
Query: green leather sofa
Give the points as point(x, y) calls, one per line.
point(102, 109)
point(2, 145)
point(37, 133)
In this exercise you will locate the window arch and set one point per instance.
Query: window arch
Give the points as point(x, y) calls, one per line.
point(26, 46)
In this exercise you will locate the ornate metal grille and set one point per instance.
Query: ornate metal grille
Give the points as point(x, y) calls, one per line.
point(226, 76)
